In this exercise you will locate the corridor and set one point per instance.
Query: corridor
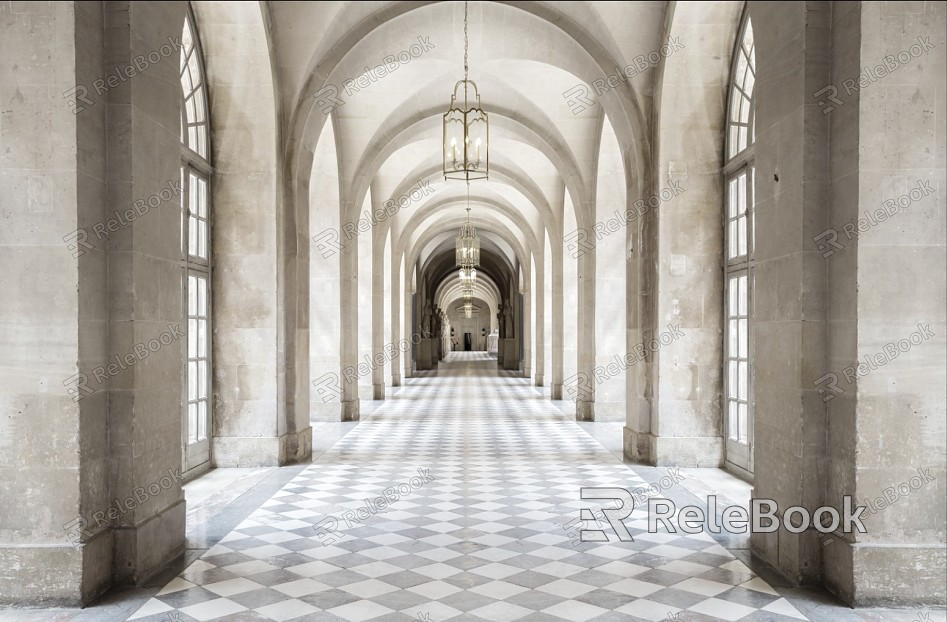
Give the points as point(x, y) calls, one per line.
point(484, 473)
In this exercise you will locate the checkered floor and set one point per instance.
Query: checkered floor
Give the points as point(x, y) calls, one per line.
point(483, 476)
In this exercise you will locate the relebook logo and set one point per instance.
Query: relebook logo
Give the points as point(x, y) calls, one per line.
point(735, 519)
point(762, 517)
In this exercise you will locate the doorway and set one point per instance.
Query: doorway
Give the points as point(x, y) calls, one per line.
point(468, 344)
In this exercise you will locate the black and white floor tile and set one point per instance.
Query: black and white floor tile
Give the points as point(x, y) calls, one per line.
point(484, 477)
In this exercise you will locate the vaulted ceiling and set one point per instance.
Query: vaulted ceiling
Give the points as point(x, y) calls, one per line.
point(527, 59)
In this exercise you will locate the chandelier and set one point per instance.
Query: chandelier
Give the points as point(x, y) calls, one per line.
point(468, 277)
point(466, 130)
point(468, 245)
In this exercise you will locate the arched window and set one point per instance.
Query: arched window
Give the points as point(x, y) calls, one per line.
point(738, 252)
point(195, 248)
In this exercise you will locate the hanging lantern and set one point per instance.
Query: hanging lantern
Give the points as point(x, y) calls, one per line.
point(466, 129)
point(468, 302)
point(466, 135)
point(468, 276)
point(468, 245)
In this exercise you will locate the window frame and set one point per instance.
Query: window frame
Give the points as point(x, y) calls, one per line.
point(198, 50)
point(196, 455)
point(739, 455)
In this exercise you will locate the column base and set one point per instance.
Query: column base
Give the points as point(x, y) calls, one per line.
point(296, 447)
point(60, 575)
point(350, 410)
point(860, 573)
point(686, 451)
point(511, 360)
point(555, 391)
point(395, 380)
point(143, 550)
point(636, 445)
point(238, 451)
point(538, 379)
point(378, 391)
point(425, 355)
point(584, 410)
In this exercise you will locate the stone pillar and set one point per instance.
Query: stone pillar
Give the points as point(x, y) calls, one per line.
point(388, 356)
point(684, 204)
point(511, 359)
point(261, 269)
point(636, 434)
point(348, 265)
point(365, 284)
point(609, 241)
point(884, 252)
point(425, 355)
point(54, 449)
point(539, 318)
point(569, 267)
point(787, 326)
point(585, 326)
point(557, 340)
point(378, 310)
point(437, 339)
point(408, 316)
point(293, 428)
point(526, 313)
point(548, 278)
point(325, 328)
point(396, 329)
point(146, 290)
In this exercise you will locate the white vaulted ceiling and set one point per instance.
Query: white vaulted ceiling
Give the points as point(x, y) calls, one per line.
point(524, 57)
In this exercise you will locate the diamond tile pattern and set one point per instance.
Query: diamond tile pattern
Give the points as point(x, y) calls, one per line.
point(482, 473)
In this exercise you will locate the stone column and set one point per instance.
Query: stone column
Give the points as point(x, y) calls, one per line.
point(365, 284)
point(572, 379)
point(527, 315)
point(324, 305)
point(585, 326)
point(348, 302)
point(54, 449)
point(684, 204)
point(539, 317)
point(261, 257)
point(883, 383)
point(787, 326)
point(408, 318)
point(146, 290)
point(396, 329)
point(548, 278)
point(378, 310)
point(608, 237)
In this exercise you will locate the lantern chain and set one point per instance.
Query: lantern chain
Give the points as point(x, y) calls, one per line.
point(465, 40)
